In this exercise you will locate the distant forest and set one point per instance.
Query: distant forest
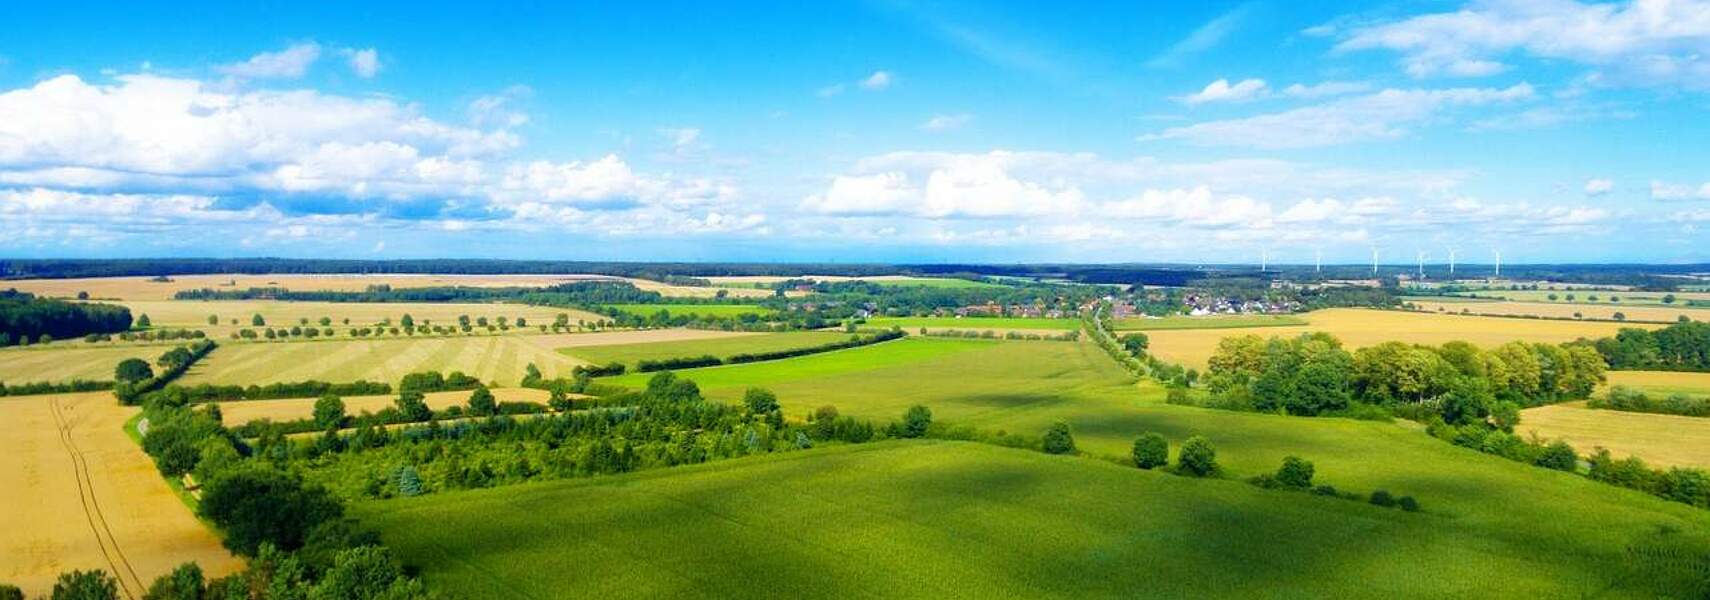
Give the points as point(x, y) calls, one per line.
point(26, 319)
point(1157, 274)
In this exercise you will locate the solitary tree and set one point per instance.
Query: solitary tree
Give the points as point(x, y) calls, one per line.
point(414, 406)
point(1151, 450)
point(329, 412)
point(481, 402)
point(132, 370)
point(1295, 472)
point(257, 321)
point(559, 401)
point(409, 481)
point(407, 321)
point(760, 401)
point(1198, 457)
point(142, 321)
point(1058, 439)
point(213, 319)
point(916, 421)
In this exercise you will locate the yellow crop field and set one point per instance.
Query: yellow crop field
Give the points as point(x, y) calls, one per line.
point(79, 494)
point(1663, 382)
point(193, 314)
point(494, 359)
point(1362, 327)
point(1665, 440)
point(142, 288)
point(291, 409)
point(1648, 312)
point(61, 361)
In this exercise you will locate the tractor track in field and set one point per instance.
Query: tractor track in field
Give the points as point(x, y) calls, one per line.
point(97, 520)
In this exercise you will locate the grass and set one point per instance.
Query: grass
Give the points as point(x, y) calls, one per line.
point(60, 362)
point(1213, 322)
point(946, 519)
point(976, 323)
point(1663, 383)
point(629, 354)
point(494, 359)
point(1361, 327)
point(730, 380)
point(709, 310)
point(1665, 440)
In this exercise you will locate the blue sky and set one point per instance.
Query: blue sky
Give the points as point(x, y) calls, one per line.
point(876, 131)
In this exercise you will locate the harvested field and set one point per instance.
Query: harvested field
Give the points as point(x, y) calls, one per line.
point(193, 314)
point(683, 291)
point(1663, 382)
point(140, 288)
point(493, 359)
point(1652, 312)
point(1665, 440)
point(79, 494)
point(1362, 327)
point(64, 362)
point(1582, 297)
point(291, 409)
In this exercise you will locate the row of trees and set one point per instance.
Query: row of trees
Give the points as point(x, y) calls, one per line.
point(26, 319)
point(1678, 347)
point(1312, 374)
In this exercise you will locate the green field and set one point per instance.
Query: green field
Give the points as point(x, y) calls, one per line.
point(500, 359)
point(60, 361)
point(948, 519)
point(1184, 322)
point(975, 323)
point(731, 380)
point(710, 310)
point(629, 354)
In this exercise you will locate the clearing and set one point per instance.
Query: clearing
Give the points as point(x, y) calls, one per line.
point(721, 347)
point(79, 494)
point(1665, 440)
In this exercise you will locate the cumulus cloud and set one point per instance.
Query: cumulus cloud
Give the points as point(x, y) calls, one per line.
point(879, 80)
point(1196, 207)
point(1382, 115)
point(946, 122)
point(290, 63)
point(1326, 89)
point(1222, 91)
point(958, 186)
point(1636, 41)
point(365, 63)
point(1661, 190)
point(1599, 186)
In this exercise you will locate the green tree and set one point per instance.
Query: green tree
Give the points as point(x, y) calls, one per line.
point(183, 583)
point(481, 402)
point(257, 321)
point(329, 412)
point(409, 481)
point(365, 572)
point(1151, 451)
point(10, 592)
point(213, 319)
point(257, 506)
point(916, 421)
point(86, 585)
point(1198, 457)
point(559, 401)
point(1559, 456)
point(132, 370)
point(414, 406)
point(408, 322)
point(760, 401)
point(1295, 472)
point(143, 322)
point(1382, 498)
point(1135, 343)
point(1058, 439)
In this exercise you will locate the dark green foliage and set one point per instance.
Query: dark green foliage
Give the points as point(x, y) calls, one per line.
point(414, 406)
point(1135, 343)
point(559, 401)
point(1631, 400)
point(760, 401)
point(329, 412)
point(1559, 456)
point(365, 572)
point(409, 481)
point(25, 317)
point(1151, 451)
point(432, 381)
point(295, 389)
point(255, 506)
point(184, 583)
point(1407, 503)
point(1295, 472)
point(1382, 498)
point(1679, 347)
point(132, 370)
point(1197, 457)
point(1058, 439)
point(916, 421)
point(649, 366)
point(86, 585)
point(46, 387)
point(10, 592)
point(482, 404)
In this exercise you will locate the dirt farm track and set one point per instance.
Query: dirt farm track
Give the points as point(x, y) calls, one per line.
point(79, 494)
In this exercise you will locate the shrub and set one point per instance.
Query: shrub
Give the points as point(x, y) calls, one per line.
point(329, 412)
point(1151, 451)
point(409, 481)
point(183, 583)
point(1058, 439)
point(94, 584)
point(1295, 472)
point(132, 370)
point(481, 403)
point(1198, 457)
point(1559, 456)
point(1407, 503)
point(10, 592)
point(916, 421)
point(1177, 395)
point(1383, 498)
point(760, 401)
point(258, 506)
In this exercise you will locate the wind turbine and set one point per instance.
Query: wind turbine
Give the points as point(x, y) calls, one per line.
point(1374, 261)
point(1264, 259)
point(1451, 262)
point(1420, 255)
point(1318, 260)
point(1498, 262)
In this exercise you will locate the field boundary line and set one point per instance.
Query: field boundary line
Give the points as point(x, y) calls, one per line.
point(92, 504)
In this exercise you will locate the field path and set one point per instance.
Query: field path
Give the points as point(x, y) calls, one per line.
point(79, 494)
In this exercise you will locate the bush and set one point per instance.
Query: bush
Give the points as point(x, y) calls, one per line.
point(86, 585)
point(1295, 472)
point(183, 583)
point(481, 403)
point(329, 412)
point(132, 370)
point(916, 421)
point(1383, 498)
point(1198, 457)
point(1559, 456)
point(10, 592)
point(1408, 504)
point(760, 401)
point(1151, 451)
point(1058, 439)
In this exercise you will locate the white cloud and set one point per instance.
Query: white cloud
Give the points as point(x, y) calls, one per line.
point(1204, 38)
point(1598, 186)
point(946, 122)
point(970, 186)
point(1636, 41)
point(1326, 89)
point(365, 63)
point(1661, 190)
point(1196, 207)
point(1382, 115)
point(499, 110)
point(1222, 91)
point(879, 80)
point(289, 63)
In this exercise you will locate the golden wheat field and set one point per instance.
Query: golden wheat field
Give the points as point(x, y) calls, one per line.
point(1665, 440)
point(1663, 382)
point(194, 314)
point(493, 359)
point(64, 361)
point(1362, 327)
point(79, 494)
point(291, 409)
point(1653, 312)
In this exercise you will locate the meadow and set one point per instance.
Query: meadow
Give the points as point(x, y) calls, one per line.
point(63, 361)
point(913, 324)
point(493, 359)
point(722, 347)
point(1656, 313)
point(1364, 327)
point(1663, 440)
point(1207, 322)
point(710, 310)
point(952, 519)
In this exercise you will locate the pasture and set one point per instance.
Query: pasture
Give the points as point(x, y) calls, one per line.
point(948, 519)
point(61, 361)
point(143, 288)
point(290, 409)
point(79, 494)
point(1206, 322)
point(1662, 440)
point(1657, 313)
point(721, 347)
point(912, 324)
point(1362, 327)
point(708, 310)
point(493, 359)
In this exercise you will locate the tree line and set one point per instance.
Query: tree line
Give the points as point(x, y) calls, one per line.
point(1678, 347)
point(26, 319)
